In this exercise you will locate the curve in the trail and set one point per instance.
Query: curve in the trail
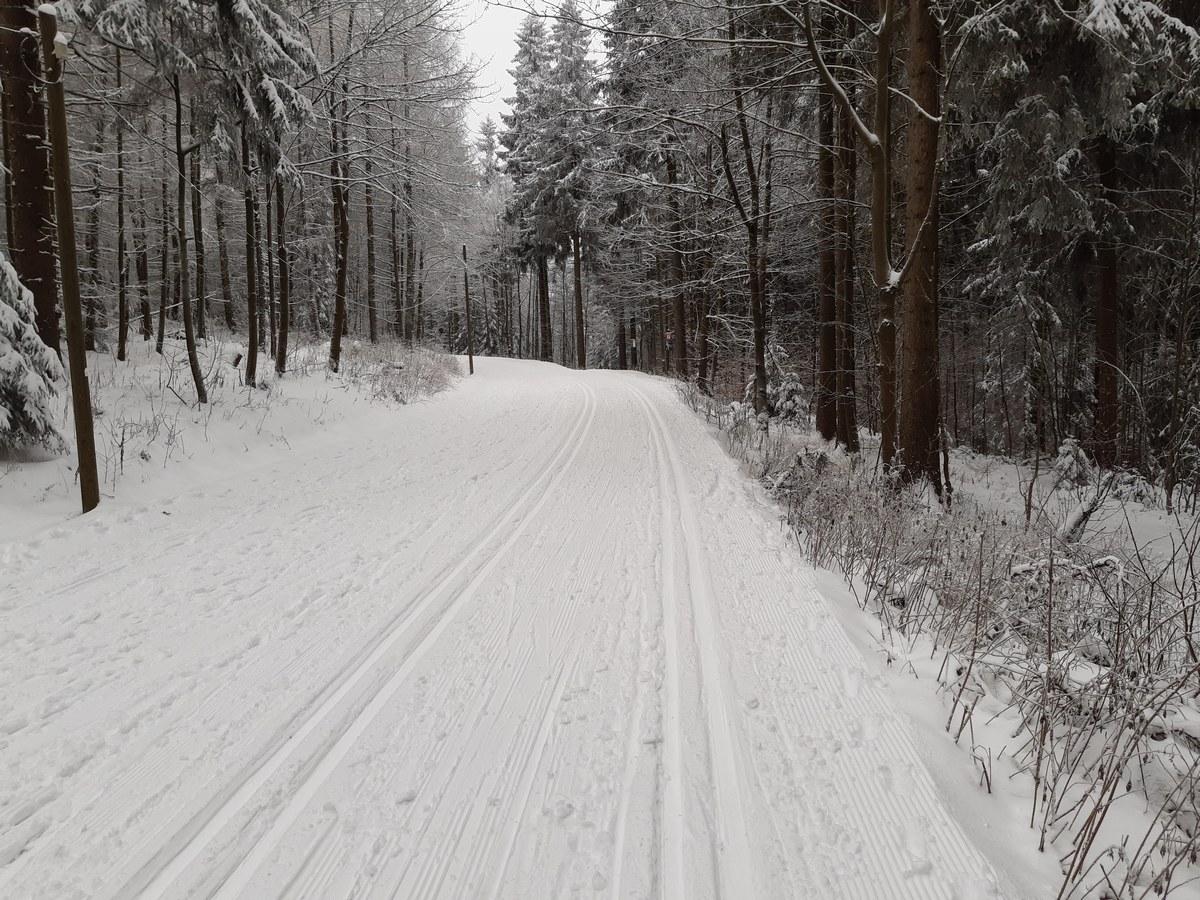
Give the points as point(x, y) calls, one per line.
point(332, 752)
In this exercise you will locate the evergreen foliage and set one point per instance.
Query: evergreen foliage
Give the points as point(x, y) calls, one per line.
point(30, 373)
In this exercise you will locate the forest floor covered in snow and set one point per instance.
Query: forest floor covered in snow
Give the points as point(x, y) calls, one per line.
point(541, 637)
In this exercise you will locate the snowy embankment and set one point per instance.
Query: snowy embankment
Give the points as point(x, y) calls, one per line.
point(538, 638)
point(153, 440)
point(1050, 667)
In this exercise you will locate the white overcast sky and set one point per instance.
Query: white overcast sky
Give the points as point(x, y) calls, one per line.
point(490, 37)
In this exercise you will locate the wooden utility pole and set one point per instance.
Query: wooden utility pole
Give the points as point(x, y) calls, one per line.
point(470, 333)
point(81, 399)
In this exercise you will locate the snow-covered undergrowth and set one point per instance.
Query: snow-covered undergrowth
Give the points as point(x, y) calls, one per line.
point(151, 436)
point(1064, 651)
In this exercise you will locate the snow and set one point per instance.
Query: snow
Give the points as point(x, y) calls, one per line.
point(538, 637)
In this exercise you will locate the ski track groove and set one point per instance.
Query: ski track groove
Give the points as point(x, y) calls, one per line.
point(733, 861)
point(185, 848)
point(526, 748)
point(329, 760)
point(892, 867)
point(162, 752)
point(633, 744)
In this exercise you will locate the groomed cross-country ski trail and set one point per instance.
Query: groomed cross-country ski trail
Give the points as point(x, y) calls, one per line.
point(537, 639)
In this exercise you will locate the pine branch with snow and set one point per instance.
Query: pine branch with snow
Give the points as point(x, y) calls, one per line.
point(30, 373)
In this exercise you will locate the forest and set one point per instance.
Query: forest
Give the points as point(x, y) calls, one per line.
point(930, 270)
point(950, 224)
point(946, 224)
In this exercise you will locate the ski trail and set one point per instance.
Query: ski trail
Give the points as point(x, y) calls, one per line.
point(304, 793)
point(854, 838)
point(156, 885)
point(543, 640)
point(633, 742)
point(673, 867)
point(734, 858)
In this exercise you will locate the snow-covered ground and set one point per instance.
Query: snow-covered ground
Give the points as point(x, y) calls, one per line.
point(538, 638)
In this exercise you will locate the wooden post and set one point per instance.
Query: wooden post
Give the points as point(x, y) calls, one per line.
point(470, 333)
point(81, 400)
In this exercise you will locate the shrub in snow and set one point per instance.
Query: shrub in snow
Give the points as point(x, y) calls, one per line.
point(29, 371)
point(1072, 466)
point(1134, 486)
point(785, 393)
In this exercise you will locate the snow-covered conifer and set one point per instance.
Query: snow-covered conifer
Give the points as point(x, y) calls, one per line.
point(30, 373)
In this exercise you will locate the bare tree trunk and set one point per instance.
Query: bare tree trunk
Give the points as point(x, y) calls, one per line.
point(85, 437)
point(223, 256)
point(622, 341)
point(285, 279)
point(1105, 431)
point(198, 236)
point(419, 325)
point(8, 161)
point(185, 300)
point(520, 322)
point(878, 141)
point(164, 282)
point(32, 244)
point(750, 216)
point(369, 202)
point(676, 253)
point(410, 263)
point(341, 225)
point(580, 349)
point(122, 268)
point(847, 411)
point(141, 240)
point(831, 236)
point(546, 343)
point(467, 305)
point(252, 318)
point(91, 301)
point(920, 418)
point(397, 273)
point(263, 254)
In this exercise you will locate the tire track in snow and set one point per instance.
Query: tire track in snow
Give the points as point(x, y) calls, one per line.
point(158, 876)
point(734, 860)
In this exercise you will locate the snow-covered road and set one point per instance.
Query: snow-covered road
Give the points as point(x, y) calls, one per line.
point(536, 639)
